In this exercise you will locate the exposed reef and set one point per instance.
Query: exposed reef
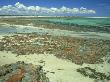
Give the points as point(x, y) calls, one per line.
point(22, 72)
point(78, 50)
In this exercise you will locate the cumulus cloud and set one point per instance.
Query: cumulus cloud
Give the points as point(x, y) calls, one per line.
point(21, 9)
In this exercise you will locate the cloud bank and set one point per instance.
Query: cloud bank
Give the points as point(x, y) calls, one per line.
point(21, 9)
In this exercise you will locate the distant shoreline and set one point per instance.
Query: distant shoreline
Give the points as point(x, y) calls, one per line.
point(97, 17)
point(8, 16)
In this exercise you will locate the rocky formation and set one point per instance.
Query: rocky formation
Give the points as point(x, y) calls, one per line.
point(78, 50)
point(22, 72)
point(92, 73)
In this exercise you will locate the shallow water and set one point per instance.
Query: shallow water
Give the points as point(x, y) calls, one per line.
point(82, 21)
point(4, 30)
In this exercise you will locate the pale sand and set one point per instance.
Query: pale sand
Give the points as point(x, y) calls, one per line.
point(52, 64)
point(68, 74)
point(1, 36)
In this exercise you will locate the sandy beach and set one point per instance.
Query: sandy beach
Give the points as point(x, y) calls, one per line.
point(61, 52)
point(58, 70)
point(52, 64)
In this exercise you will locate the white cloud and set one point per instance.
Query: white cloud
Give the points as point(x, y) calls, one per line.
point(21, 9)
point(31, 8)
point(19, 5)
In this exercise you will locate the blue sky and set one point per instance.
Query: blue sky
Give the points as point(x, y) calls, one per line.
point(57, 7)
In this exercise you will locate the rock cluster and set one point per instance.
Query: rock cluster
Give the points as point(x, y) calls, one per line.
point(22, 72)
point(92, 73)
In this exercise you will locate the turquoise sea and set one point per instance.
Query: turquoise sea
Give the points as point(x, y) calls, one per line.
point(105, 22)
point(83, 24)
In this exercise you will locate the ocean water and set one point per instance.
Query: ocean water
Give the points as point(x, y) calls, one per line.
point(101, 25)
point(104, 22)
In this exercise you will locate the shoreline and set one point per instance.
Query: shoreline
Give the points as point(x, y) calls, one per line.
point(58, 32)
point(60, 52)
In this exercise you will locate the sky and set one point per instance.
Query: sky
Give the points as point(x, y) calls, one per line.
point(55, 7)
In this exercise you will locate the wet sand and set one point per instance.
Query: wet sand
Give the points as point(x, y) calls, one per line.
point(55, 32)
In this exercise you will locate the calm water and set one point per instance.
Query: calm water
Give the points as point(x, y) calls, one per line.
point(102, 22)
point(83, 21)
